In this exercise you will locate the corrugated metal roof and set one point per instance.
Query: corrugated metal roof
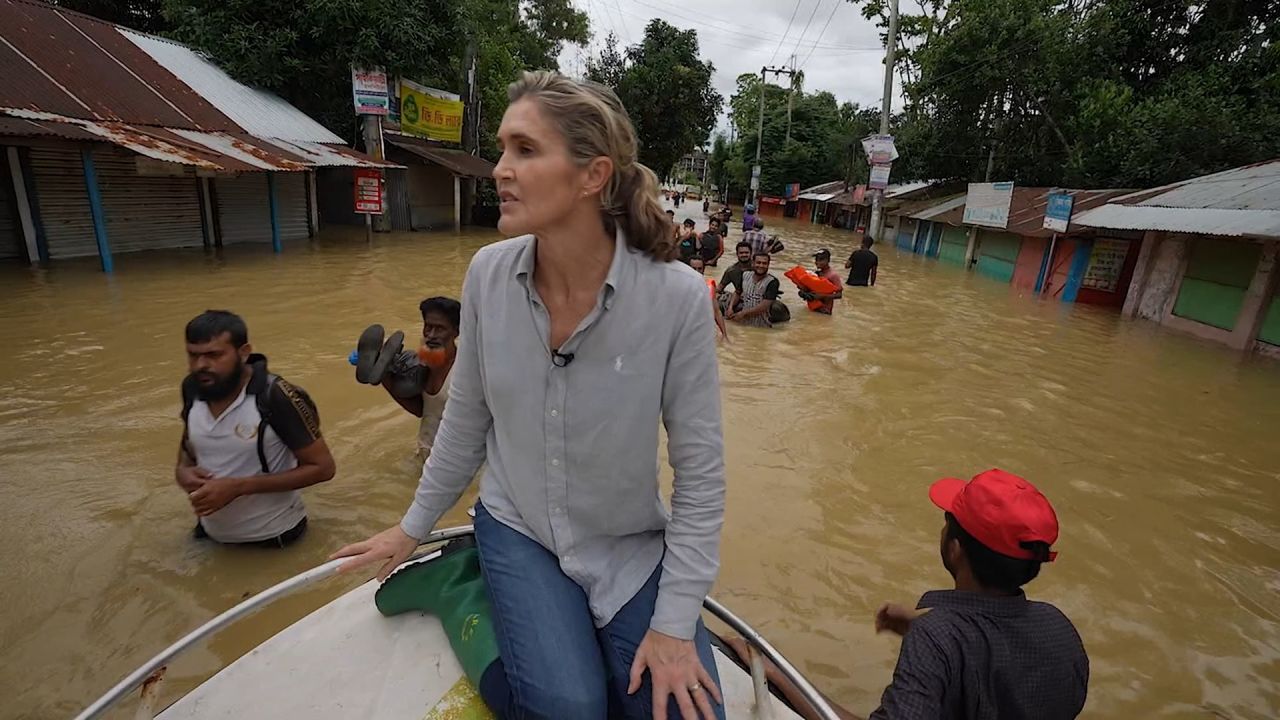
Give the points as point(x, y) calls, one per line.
point(257, 111)
point(1205, 221)
point(948, 211)
point(457, 161)
point(321, 155)
point(74, 65)
point(238, 152)
point(1251, 187)
point(1243, 201)
point(830, 189)
point(823, 197)
point(905, 188)
point(1026, 211)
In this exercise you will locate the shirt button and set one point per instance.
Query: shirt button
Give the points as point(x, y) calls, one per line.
point(555, 462)
point(555, 413)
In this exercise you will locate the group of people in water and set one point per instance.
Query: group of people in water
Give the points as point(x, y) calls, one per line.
point(571, 343)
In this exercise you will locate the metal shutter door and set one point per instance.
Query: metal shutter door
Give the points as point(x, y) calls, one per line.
point(291, 206)
point(244, 214)
point(145, 212)
point(63, 202)
point(11, 242)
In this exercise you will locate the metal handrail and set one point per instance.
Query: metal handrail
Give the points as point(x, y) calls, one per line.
point(789, 671)
point(135, 679)
point(148, 675)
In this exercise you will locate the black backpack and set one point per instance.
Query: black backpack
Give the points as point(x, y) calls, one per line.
point(261, 400)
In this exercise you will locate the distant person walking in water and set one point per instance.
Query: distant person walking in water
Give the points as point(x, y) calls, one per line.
point(983, 650)
point(756, 238)
point(748, 217)
point(596, 591)
point(823, 269)
point(250, 440)
point(758, 289)
point(862, 265)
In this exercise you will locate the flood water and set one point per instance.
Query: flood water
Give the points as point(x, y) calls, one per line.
point(1159, 451)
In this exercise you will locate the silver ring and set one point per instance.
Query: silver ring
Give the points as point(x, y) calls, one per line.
point(695, 687)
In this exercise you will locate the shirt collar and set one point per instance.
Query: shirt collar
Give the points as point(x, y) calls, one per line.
point(975, 602)
point(623, 254)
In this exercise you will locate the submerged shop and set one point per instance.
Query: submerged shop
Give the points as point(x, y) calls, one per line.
point(113, 141)
point(1209, 252)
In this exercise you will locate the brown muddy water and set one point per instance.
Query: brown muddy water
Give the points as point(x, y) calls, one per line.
point(1159, 451)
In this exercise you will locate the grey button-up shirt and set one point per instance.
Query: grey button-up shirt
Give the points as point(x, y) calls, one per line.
point(572, 451)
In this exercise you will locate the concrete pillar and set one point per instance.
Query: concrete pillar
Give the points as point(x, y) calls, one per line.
point(24, 206)
point(276, 245)
point(206, 213)
point(95, 209)
point(1141, 272)
point(1257, 298)
point(457, 203)
point(313, 203)
point(971, 249)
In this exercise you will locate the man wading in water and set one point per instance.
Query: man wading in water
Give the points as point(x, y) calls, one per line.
point(250, 442)
point(754, 294)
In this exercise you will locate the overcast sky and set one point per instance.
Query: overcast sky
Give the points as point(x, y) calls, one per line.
point(837, 49)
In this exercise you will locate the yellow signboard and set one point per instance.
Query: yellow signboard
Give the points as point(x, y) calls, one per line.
point(430, 113)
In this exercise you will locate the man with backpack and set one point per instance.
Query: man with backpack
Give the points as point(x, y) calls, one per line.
point(250, 442)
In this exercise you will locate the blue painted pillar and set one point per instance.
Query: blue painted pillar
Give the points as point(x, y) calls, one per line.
point(275, 216)
point(95, 209)
point(1046, 262)
point(1079, 264)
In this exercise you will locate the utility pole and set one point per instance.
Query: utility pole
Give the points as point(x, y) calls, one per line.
point(755, 191)
point(470, 125)
point(373, 146)
point(891, 46)
point(791, 90)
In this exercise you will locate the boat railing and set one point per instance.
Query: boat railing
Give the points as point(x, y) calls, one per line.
point(150, 675)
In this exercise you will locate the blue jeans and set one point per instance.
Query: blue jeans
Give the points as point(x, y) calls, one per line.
point(556, 663)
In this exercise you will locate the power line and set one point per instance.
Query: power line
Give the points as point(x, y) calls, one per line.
point(816, 4)
point(784, 32)
point(712, 37)
point(625, 29)
point(834, 8)
point(741, 31)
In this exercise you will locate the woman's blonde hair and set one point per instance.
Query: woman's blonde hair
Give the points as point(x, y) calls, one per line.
point(593, 123)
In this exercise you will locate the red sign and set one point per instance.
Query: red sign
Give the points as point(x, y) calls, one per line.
point(368, 191)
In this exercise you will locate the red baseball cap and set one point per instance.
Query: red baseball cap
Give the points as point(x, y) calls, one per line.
point(1000, 510)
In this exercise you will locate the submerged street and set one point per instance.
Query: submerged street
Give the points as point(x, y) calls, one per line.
point(1158, 451)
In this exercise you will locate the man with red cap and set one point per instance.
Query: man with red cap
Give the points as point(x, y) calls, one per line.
point(982, 650)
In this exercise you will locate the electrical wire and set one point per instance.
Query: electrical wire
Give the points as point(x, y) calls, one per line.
point(834, 8)
point(784, 32)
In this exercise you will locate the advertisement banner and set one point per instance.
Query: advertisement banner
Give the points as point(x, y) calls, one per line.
point(792, 191)
point(430, 113)
point(880, 149)
point(879, 177)
point(1057, 213)
point(368, 190)
point(1105, 264)
point(988, 204)
point(369, 91)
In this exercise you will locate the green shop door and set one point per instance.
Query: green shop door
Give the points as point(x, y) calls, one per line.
point(1218, 274)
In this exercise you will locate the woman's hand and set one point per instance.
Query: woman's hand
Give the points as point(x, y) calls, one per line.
point(675, 669)
point(391, 547)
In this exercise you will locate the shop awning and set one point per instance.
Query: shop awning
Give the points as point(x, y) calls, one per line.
point(210, 151)
point(456, 161)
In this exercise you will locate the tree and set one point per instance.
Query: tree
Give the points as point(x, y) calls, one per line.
point(1120, 93)
point(666, 89)
point(304, 51)
point(141, 15)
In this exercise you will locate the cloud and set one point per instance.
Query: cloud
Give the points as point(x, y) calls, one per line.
point(838, 50)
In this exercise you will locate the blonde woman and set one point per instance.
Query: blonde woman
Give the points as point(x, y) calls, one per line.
point(579, 336)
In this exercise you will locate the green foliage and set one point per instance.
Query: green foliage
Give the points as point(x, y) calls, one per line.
point(1113, 93)
point(666, 89)
point(825, 142)
point(304, 51)
point(142, 15)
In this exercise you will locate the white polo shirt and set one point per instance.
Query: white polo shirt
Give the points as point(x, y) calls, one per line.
point(227, 446)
